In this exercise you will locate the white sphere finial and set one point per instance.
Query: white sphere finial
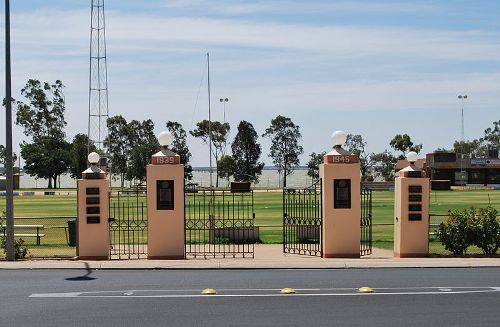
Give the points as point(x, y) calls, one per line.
point(93, 158)
point(412, 156)
point(339, 138)
point(165, 138)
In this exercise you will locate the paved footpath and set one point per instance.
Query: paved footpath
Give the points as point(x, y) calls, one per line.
point(266, 257)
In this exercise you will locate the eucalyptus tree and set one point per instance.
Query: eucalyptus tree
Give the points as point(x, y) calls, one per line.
point(285, 149)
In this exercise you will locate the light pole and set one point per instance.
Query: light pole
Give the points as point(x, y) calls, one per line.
point(224, 100)
point(9, 205)
point(462, 138)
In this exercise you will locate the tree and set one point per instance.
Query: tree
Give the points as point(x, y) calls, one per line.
point(78, 154)
point(356, 145)
point(180, 147)
point(3, 155)
point(144, 144)
point(119, 145)
point(285, 148)
point(42, 118)
point(384, 164)
point(313, 164)
point(404, 144)
point(246, 153)
point(474, 147)
point(492, 135)
point(44, 115)
point(218, 132)
point(226, 167)
point(48, 158)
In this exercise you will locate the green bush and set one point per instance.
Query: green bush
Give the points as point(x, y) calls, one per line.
point(20, 250)
point(454, 232)
point(485, 230)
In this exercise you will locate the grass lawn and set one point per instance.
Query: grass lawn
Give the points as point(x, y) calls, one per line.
point(268, 215)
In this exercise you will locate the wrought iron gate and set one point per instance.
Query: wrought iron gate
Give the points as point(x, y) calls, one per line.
point(128, 226)
point(366, 222)
point(219, 224)
point(302, 220)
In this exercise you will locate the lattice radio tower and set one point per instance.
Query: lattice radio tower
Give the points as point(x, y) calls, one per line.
point(98, 79)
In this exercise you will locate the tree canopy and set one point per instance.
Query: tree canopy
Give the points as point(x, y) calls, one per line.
point(315, 159)
point(218, 132)
point(180, 147)
point(42, 117)
point(246, 153)
point(285, 149)
point(356, 145)
point(404, 144)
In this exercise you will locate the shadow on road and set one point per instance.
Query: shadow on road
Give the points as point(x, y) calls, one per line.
point(84, 277)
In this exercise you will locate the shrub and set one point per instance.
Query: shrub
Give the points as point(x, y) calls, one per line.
point(20, 250)
point(485, 230)
point(454, 231)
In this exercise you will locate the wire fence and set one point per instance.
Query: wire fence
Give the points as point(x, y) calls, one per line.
point(45, 237)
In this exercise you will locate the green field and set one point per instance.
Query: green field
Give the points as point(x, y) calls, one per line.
point(268, 213)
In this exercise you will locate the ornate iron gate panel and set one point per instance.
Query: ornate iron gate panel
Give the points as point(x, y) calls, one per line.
point(219, 224)
point(302, 220)
point(366, 222)
point(128, 225)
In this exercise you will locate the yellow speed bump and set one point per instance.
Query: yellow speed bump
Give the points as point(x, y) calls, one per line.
point(209, 291)
point(365, 289)
point(287, 290)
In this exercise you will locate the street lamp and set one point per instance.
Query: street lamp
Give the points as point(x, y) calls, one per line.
point(462, 138)
point(224, 100)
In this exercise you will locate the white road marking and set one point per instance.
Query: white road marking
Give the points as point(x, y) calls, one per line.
point(270, 292)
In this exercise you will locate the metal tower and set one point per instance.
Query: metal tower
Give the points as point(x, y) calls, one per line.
point(98, 78)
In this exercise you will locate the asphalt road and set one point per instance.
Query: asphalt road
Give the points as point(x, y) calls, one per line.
point(408, 297)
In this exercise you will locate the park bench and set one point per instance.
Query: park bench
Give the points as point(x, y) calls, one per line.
point(20, 229)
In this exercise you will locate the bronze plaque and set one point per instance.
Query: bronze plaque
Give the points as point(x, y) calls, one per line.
point(415, 197)
point(165, 195)
point(342, 193)
point(414, 207)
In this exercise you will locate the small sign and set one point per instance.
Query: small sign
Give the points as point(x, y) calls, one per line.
point(93, 210)
point(94, 176)
point(415, 188)
point(415, 217)
point(92, 191)
point(93, 220)
point(414, 174)
point(414, 207)
point(92, 200)
point(415, 197)
point(166, 160)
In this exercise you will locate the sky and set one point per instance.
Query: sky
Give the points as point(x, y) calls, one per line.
point(375, 68)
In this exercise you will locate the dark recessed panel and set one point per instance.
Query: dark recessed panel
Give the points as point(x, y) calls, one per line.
point(165, 195)
point(415, 197)
point(92, 200)
point(342, 193)
point(93, 220)
point(415, 188)
point(414, 174)
point(92, 191)
point(414, 207)
point(92, 175)
point(93, 210)
point(415, 216)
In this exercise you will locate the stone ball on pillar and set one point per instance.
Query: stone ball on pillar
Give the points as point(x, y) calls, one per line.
point(339, 138)
point(165, 139)
point(412, 157)
point(94, 158)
